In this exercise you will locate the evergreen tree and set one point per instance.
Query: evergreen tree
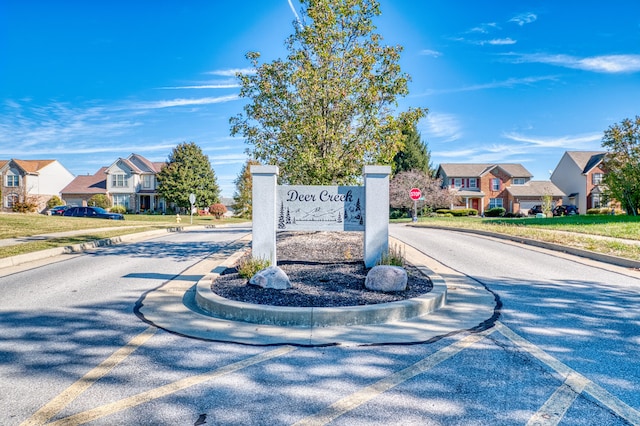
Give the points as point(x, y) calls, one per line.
point(242, 206)
point(188, 171)
point(414, 155)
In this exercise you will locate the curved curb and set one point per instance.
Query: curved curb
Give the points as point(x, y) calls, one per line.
point(220, 307)
point(600, 257)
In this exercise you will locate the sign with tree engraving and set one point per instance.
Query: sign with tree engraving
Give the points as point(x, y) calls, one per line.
point(320, 208)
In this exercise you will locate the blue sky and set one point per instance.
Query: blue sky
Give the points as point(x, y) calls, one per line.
point(86, 82)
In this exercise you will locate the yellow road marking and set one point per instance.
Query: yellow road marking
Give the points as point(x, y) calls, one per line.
point(577, 380)
point(356, 399)
point(72, 392)
point(141, 398)
point(557, 405)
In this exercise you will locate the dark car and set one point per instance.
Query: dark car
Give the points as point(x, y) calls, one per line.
point(58, 210)
point(565, 210)
point(97, 212)
point(535, 210)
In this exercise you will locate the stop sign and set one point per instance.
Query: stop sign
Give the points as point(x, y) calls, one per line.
point(415, 194)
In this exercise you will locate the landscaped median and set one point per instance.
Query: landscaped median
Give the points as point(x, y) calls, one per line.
point(609, 236)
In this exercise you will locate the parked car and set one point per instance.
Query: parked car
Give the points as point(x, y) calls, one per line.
point(535, 210)
point(58, 210)
point(565, 210)
point(97, 212)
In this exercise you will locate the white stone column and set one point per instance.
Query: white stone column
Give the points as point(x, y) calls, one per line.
point(263, 240)
point(376, 216)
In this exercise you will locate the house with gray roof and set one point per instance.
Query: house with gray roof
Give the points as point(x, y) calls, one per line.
point(484, 186)
point(579, 175)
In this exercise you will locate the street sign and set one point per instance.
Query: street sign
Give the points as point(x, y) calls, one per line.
point(415, 194)
point(192, 198)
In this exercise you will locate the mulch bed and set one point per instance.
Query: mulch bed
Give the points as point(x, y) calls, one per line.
point(326, 269)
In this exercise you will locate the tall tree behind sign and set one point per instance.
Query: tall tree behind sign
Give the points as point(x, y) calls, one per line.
point(328, 109)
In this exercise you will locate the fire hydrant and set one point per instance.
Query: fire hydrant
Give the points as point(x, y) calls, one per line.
point(178, 218)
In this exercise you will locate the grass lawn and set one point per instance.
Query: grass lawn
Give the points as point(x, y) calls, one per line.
point(27, 225)
point(583, 231)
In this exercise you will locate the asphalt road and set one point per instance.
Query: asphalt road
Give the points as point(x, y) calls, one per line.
point(564, 349)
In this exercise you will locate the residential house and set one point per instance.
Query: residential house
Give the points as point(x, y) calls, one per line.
point(486, 186)
point(579, 175)
point(129, 182)
point(32, 180)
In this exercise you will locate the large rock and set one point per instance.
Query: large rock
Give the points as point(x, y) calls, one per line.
point(386, 278)
point(271, 277)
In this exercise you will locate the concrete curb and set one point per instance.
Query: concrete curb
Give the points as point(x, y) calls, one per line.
point(173, 307)
point(613, 260)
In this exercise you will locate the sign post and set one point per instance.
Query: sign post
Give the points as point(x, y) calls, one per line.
point(192, 200)
point(415, 195)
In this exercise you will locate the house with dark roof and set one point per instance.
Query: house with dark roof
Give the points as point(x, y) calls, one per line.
point(484, 186)
point(31, 180)
point(579, 175)
point(129, 182)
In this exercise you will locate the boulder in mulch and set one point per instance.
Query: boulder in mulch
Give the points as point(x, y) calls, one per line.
point(386, 278)
point(271, 277)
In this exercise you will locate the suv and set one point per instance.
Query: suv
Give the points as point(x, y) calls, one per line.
point(97, 212)
point(535, 210)
point(565, 210)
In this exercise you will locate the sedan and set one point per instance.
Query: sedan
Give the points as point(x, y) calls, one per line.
point(97, 212)
point(58, 210)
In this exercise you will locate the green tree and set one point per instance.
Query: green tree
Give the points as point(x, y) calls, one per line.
point(188, 171)
point(622, 163)
point(414, 155)
point(53, 201)
point(328, 109)
point(99, 200)
point(242, 206)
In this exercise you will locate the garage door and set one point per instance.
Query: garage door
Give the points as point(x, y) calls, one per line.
point(526, 205)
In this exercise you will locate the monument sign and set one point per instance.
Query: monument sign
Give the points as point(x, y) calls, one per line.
point(320, 208)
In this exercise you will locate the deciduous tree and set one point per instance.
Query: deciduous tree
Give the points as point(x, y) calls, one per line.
point(435, 196)
point(622, 163)
point(329, 108)
point(188, 171)
point(242, 196)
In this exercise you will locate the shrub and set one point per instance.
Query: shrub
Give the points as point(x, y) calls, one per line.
point(393, 257)
point(99, 200)
point(218, 210)
point(397, 214)
point(495, 212)
point(54, 201)
point(249, 266)
point(118, 209)
point(29, 205)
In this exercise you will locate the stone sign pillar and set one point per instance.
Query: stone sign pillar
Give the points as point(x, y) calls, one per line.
point(376, 229)
point(263, 241)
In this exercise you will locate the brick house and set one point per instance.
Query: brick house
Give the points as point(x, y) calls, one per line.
point(579, 175)
point(129, 182)
point(36, 180)
point(486, 186)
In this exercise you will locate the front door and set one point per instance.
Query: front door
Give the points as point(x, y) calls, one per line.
point(475, 204)
point(145, 203)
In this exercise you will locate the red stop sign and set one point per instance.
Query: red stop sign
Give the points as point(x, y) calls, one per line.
point(415, 194)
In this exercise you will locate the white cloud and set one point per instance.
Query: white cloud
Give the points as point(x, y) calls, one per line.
point(508, 83)
point(206, 86)
point(566, 142)
point(443, 126)
point(500, 41)
point(524, 18)
point(231, 72)
point(169, 103)
point(430, 52)
point(604, 63)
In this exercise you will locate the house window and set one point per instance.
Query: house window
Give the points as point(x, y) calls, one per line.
point(596, 201)
point(495, 184)
point(13, 180)
point(121, 200)
point(518, 181)
point(495, 202)
point(12, 199)
point(457, 182)
point(119, 181)
point(473, 183)
point(146, 181)
point(596, 178)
